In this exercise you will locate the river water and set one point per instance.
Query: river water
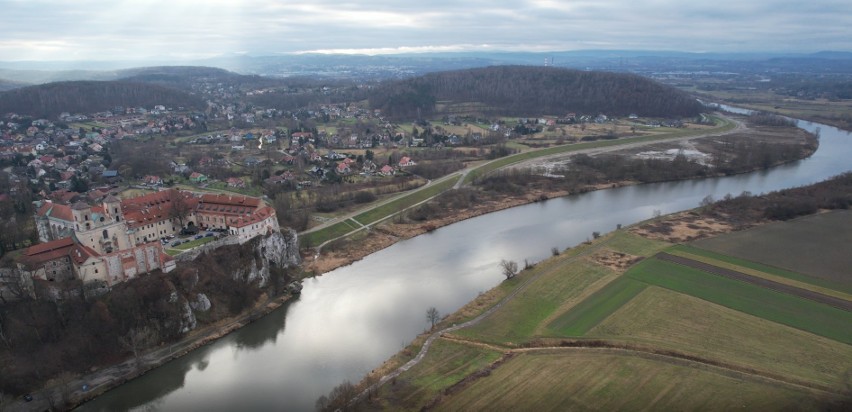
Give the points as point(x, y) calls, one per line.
point(350, 320)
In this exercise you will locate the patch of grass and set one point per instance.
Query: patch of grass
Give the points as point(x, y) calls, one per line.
point(633, 244)
point(173, 252)
point(195, 242)
point(446, 364)
point(403, 202)
point(597, 307)
point(336, 230)
point(665, 319)
point(584, 380)
point(562, 283)
point(782, 308)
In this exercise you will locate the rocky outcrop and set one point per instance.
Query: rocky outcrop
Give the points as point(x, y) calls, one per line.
point(201, 303)
point(279, 249)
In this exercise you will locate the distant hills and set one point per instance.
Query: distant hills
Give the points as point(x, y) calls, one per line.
point(49, 100)
point(530, 91)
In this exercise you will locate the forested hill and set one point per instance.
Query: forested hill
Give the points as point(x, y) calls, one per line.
point(531, 91)
point(184, 77)
point(49, 100)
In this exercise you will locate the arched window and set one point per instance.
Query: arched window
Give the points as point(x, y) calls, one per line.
point(106, 234)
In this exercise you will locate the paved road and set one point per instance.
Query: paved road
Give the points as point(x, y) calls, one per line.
point(754, 280)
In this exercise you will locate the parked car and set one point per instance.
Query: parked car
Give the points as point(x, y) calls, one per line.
point(176, 242)
point(199, 236)
point(209, 234)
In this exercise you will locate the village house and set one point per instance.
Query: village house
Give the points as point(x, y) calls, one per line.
point(406, 161)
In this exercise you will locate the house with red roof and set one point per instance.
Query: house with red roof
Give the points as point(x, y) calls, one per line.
point(386, 170)
point(235, 182)
point(406, 161)
point(152, 181)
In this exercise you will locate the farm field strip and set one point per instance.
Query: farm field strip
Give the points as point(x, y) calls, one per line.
point(772, 274)
point(597, 307)
point(754, 280)
point(667, 320)
point(782, 308)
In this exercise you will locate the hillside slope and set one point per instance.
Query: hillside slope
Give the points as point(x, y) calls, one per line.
point(526, 90)
point(49, 100)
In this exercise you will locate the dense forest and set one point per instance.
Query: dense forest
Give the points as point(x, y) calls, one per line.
point(526, 90)
point(49, 100)
point(184, 77)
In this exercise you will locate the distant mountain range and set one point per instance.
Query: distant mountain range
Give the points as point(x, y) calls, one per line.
point(363, 67)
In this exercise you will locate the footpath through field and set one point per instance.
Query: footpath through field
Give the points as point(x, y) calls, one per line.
point(778, 287)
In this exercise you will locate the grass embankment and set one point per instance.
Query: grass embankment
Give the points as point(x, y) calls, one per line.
point(722, 125)
point(379, 213)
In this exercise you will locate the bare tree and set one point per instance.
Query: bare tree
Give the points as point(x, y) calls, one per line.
point(179, 207)
point(136, 340)
point(510, 268)
point(433, 316)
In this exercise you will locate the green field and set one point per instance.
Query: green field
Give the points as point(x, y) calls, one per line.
point(661, 318)
point(597, 307)
point(589, 380)
point(778, 307)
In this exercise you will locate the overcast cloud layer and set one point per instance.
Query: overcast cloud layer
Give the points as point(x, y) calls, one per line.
point(184, 29)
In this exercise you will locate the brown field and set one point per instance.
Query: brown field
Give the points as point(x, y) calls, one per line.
point(582, 379)
point(816, 245)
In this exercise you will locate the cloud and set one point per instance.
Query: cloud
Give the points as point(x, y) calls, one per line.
point(61, 30)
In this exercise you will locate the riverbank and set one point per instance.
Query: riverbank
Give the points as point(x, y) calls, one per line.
point(70, 393)
point(347, 251)
point(460, 357)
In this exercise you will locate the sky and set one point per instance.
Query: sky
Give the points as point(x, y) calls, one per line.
point(58, 30)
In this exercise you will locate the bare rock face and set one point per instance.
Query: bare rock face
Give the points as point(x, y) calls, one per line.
point(278, 249)
point(188, 321)
point(201, 303)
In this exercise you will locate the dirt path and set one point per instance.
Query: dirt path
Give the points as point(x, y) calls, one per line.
point(778, 287)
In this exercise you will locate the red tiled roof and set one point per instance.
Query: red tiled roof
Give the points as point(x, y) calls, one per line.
point(56, 211)
point(49, 246)
point(219, 199)
point(80, 253)
point(255, 217)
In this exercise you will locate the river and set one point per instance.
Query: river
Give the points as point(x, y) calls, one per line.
point(350, 320)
